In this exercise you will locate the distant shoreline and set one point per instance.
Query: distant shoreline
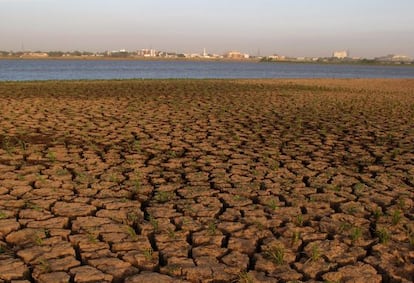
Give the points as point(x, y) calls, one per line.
point(105, 58)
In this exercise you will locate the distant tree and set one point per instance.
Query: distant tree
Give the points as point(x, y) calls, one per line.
point(266, 59)
point(367, 61)
point(120, 54)
point(55, 53)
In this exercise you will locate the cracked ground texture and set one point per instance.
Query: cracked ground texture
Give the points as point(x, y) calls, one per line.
point(207, 181)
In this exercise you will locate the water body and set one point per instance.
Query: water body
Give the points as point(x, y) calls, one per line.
point(27, 70)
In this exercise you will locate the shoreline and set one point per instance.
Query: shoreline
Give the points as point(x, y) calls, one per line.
point(97, 58)
point(266, 81)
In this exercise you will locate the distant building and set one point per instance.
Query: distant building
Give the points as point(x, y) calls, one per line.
point(394, 58)
point(147, 53)
point(194, 55)
point(120, 52)
point(340, 54)
point(277, 57)
point(205, 54)
point(236, 55)
point(35, 54)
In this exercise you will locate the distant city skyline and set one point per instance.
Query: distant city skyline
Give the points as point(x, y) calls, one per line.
point(316, 28)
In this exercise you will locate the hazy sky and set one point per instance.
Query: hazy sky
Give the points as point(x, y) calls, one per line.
point(367, 28)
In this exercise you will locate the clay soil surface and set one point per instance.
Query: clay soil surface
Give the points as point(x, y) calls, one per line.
point(207, 181)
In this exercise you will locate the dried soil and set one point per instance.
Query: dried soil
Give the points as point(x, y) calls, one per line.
point(207, 181)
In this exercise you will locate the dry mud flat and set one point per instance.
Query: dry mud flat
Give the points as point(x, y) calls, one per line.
point(207, 181)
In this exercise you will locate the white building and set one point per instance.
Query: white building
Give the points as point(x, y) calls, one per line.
point(340, 54)
point(205, 54)
point(401, 58)
point(277, 57)
point(394, 58)
point(147, 52)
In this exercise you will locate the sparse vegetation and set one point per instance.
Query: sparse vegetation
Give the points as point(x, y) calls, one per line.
point(356, 234)
point(383, 235)
point(51, 156)
point(38, 240)
point(396, 217)
point(244, 277)
point(148, 254)
point(315, 253)
point(3, 215)
point(153, 222)
point(276, 254)
point(131, 232)
point(296, 236)
point(7, 146)
point(132, 218)
point(44, 265)
point(377, 213)
point(163, 196)
point(212, 228)
point(92, 237)
point(272, 204)
point(171, 233)
point(299, 220)
point(32, 205)
point(63, 172)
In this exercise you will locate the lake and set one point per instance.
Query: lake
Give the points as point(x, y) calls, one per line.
point(24, 70)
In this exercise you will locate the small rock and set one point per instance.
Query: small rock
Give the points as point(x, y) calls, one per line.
point(32, 254)
point(176, 265)
point(7, 226)
point(205, 237)
point(91, 245)
point(73, 209)
point(285, 273)
point(88, 222)
point(52, 223)
point(141, 243)
point(198, 273)
point(358, 273)
point(25, 237)
point(236, 259)
point(34, 214)
point(114, 266)
point(255, 276)
point(11, 269)
point(89, 274)
point(63, 264)
point(210, 250)
point(56, 277)
point(151, 277)
point(313, 268)
point(246, 246)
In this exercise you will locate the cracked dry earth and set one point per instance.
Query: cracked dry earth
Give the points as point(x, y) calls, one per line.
point(207, 181)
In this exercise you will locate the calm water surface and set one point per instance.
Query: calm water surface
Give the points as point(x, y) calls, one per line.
point(23, 70)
